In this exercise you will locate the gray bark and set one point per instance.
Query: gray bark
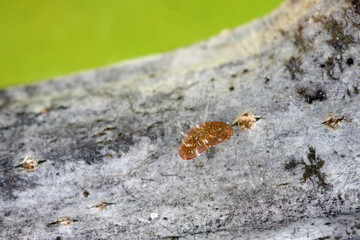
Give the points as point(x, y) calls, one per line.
point(106, 140)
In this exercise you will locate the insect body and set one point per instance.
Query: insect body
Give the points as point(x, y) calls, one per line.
point(203, 136)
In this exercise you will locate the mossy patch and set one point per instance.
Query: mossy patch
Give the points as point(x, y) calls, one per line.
point(339, 40)
point(312, 171)
point(329, 67)
point(300, 41)
point(293, 65)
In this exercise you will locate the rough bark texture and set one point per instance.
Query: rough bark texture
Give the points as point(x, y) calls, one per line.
point(106, 140)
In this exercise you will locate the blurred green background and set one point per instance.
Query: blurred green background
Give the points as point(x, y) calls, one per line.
point(42, 39)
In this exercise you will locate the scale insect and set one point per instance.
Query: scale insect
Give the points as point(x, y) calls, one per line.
point(202, 137)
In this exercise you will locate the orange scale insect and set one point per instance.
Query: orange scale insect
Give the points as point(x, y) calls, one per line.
point(202, 137)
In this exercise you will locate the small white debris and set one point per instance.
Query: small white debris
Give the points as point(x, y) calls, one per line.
point(154, 215)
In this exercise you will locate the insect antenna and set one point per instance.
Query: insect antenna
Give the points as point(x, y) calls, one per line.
point(205, 112)
point(181, 132)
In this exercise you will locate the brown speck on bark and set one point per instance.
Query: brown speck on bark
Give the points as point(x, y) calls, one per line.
point(30, 163)
point(332, 121)
point(102, 205)
point(246, 121)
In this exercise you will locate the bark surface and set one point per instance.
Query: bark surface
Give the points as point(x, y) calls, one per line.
point(95, 155)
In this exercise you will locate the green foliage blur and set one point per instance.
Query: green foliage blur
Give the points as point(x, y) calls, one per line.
point(42, 39)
